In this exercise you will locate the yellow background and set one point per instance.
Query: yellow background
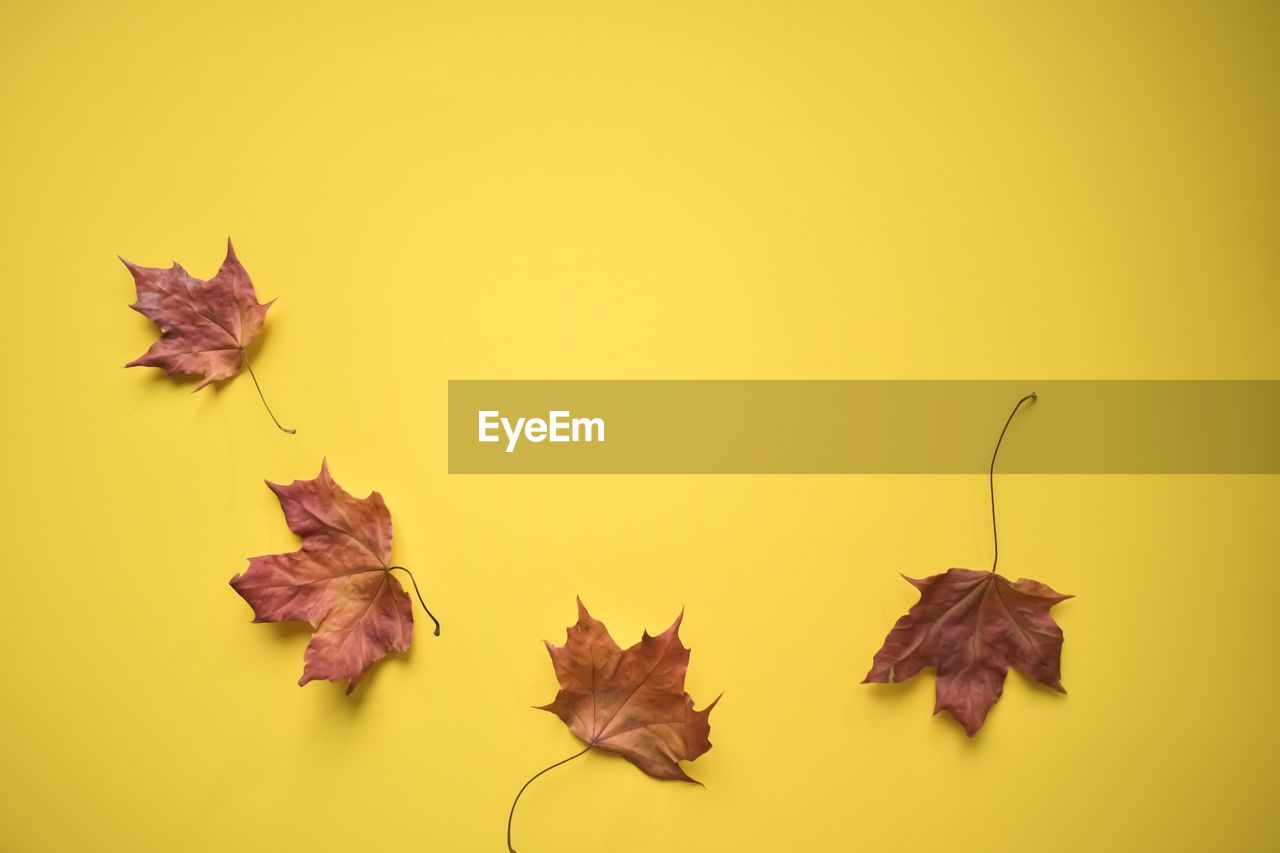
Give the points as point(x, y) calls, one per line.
point(526, 190)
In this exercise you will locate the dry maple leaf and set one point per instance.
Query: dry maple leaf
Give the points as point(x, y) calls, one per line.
point(340, 582)
point(205, 326)
point(630, 702)
point(972, 626)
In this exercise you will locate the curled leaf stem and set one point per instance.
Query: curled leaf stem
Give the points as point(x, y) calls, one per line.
point(262, 397)
point(421, 600)
point(510, 816)
point(991, 479)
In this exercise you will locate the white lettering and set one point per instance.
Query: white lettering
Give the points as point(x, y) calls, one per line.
point(487, 424)
point(587, 424)
point(559, 421)
point(513, 435)
point(558, 427)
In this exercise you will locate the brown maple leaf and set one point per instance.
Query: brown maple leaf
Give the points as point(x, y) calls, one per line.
point(205, 326)
point(340, 582)
point(972, 626)
point(629, 702)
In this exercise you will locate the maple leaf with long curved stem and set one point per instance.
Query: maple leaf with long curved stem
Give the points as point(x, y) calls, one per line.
point(340, 582)
point(630, 702)
point(971, 627)
point(205, 326)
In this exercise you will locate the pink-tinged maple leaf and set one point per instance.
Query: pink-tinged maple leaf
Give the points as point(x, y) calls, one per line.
point(340, 582)
point(205, 326)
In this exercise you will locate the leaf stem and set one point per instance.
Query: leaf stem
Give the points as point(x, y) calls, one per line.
point(420, 598)
point(510, 816)
point(991, 478)
point(254, 377)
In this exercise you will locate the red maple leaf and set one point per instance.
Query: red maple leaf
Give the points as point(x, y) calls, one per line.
point(340, 582)
point(629, 702)
point(972, 626)
point(205, 326)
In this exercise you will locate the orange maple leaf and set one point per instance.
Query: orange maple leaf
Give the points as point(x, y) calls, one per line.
point(630, 702)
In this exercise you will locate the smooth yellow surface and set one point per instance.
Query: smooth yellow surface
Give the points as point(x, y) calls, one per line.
point(531, 190)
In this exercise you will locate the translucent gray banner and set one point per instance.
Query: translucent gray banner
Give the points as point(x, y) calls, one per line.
point(862, 427)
